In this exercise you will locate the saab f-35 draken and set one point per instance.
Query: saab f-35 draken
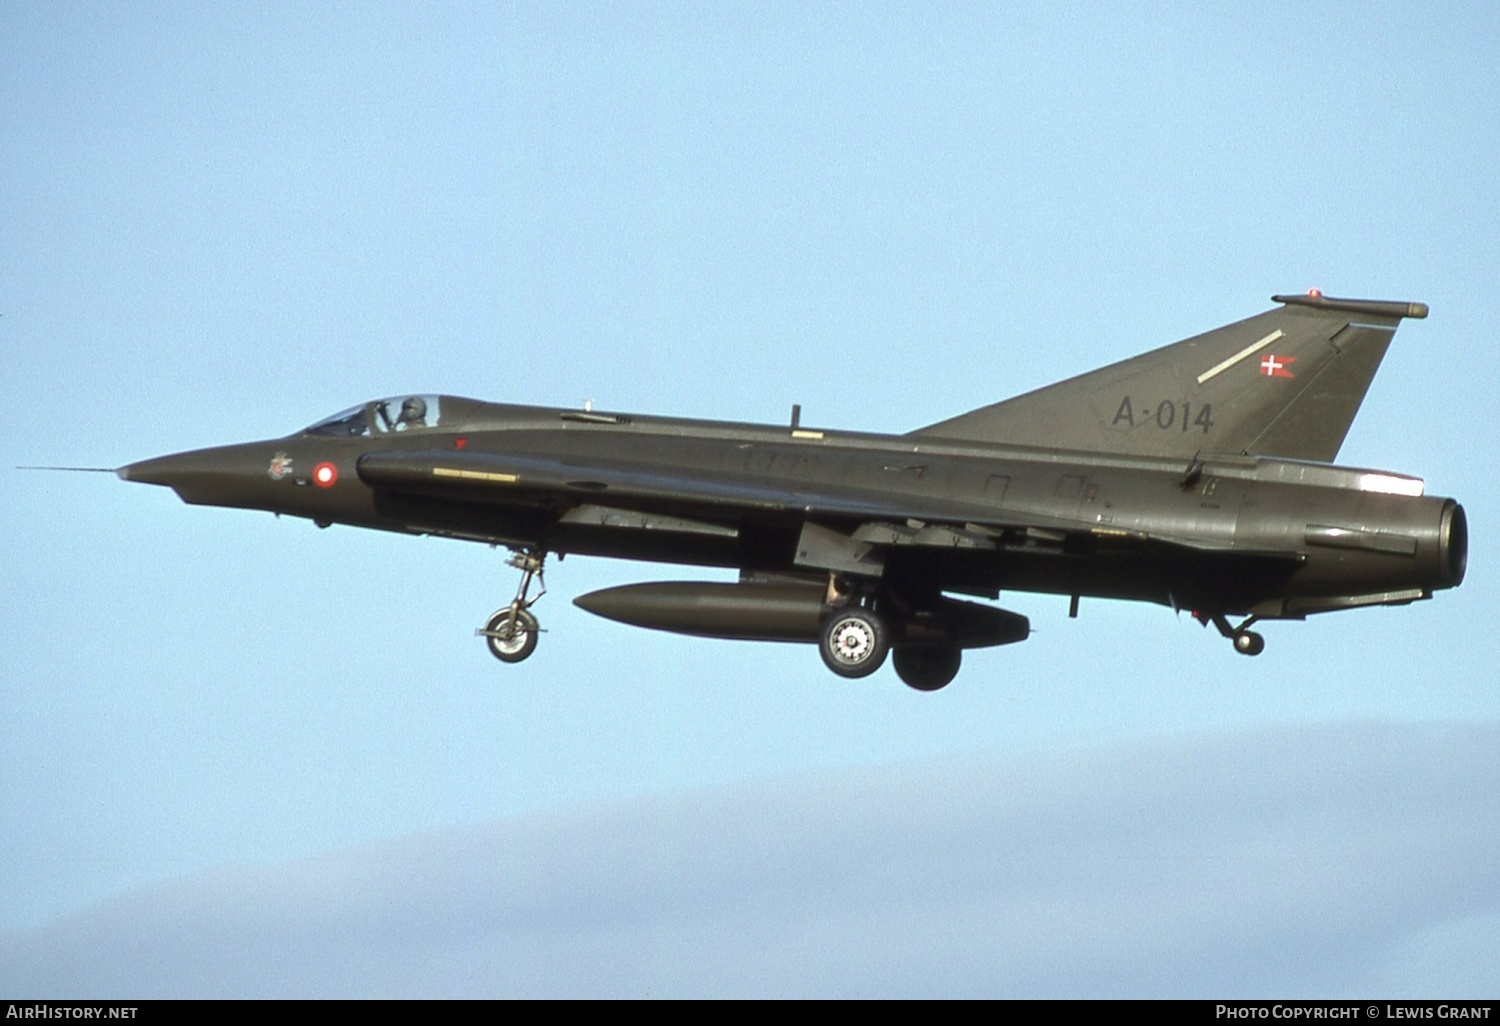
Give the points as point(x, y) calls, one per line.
point(1197, 476)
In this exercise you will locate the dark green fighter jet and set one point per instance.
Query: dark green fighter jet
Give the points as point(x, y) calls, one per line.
point(1197, 476)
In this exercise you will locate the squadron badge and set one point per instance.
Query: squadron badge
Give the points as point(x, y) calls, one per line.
point(281, 466)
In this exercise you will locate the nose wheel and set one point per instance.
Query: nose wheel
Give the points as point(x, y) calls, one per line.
point(512, 632)
point(511, 635)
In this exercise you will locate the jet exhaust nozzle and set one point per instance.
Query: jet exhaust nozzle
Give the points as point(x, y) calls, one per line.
point(1454, 536)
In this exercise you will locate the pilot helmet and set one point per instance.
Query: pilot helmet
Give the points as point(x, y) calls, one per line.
point(413, 409)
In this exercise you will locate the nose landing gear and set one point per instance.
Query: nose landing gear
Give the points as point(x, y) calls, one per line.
point(512, 631)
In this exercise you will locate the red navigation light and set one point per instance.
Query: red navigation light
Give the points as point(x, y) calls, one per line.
point(1315, 292)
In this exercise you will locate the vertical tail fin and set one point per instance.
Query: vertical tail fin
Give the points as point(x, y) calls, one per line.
point(1284, 383)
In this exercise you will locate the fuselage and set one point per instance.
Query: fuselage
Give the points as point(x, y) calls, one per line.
point(1231, 533)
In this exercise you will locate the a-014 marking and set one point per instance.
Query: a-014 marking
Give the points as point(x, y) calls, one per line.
point(1165, 415)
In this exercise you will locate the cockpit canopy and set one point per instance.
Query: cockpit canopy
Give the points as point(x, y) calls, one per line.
point(384, 416)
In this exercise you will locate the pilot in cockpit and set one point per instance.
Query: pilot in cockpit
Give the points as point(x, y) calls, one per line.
point(413, 413)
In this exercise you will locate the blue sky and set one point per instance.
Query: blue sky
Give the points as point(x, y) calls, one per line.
point(222, 225)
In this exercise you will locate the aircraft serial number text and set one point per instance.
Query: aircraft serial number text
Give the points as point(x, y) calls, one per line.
point(1184, 416)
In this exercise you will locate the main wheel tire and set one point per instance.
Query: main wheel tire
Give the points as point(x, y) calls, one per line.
point(1249, 643)
point(927, 667)
point(854, 642)
point(521, 639)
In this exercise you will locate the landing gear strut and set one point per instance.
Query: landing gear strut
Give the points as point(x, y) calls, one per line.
point(1245, 641)
point(512, 631)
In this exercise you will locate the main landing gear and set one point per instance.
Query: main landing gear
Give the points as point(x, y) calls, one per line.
point(512, 631)
point(927, 667)
point(1245, 641)
point(855, 641)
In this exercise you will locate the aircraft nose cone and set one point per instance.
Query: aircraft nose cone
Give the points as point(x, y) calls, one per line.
point(163, 470)
point(231, 475)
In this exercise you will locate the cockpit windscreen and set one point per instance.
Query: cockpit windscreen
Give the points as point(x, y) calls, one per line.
point(350, 423)
point(402, 413)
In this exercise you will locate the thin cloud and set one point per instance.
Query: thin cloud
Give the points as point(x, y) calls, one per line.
point(1330, 860)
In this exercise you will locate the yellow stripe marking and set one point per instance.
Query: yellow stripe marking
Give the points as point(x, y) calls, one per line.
point(474, 475)
point(814, 435)
point(1237, 357)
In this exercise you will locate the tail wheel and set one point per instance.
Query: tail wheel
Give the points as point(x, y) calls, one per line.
point(1249, 643)
point(510, 640)
point(1244, 640)
point(854, 642)
point(927, 667)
